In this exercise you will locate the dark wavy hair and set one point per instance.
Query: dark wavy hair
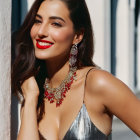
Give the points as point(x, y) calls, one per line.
point(25, 63)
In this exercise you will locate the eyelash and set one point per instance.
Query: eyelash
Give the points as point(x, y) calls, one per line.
point(37, 21)
point(56, 24)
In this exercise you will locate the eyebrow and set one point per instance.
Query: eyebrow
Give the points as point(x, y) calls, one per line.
point(55, 17)
point(52, 17)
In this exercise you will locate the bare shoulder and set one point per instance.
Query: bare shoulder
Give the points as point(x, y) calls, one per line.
point(101, 80)
point(111, 89)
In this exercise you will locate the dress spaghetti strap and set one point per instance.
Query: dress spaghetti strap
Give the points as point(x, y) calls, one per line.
point(93, 68)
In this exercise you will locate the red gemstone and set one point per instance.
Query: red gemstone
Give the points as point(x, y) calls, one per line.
point(51, 101)
point(49, 97)
point(57, 104)
point(46, 93)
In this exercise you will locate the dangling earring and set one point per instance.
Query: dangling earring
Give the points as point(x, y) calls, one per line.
point(73, 56)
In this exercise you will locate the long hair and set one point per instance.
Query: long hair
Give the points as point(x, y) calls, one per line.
point(26, 65)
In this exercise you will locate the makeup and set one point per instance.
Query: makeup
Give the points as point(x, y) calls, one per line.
point(43, 44)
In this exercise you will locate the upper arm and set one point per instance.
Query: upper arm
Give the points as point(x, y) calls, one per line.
point(117, 98)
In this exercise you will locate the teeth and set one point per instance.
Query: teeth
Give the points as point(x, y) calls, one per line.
point(44, 43)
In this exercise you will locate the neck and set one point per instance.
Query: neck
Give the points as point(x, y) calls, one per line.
point(57, 71)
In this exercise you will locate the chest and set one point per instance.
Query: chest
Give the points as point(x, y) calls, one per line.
point(57, 121)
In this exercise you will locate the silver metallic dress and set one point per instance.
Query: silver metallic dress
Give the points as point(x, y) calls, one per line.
point(83, 129)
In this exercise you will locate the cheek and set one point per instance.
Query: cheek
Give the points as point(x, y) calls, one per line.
point(33, 32)
point(62, 35)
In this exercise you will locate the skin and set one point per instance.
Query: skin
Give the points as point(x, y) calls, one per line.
point(104, 96)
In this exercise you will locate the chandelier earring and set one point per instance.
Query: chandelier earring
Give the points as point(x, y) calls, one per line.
point(73, 56)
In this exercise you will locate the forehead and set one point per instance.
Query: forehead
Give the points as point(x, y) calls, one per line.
point(53, 8)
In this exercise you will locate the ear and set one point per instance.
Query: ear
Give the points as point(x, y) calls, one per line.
point(78, 36)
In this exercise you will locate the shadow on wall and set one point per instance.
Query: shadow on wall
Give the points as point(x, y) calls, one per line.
point(19, 10)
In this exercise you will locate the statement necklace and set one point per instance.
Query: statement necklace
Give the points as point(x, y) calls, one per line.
point(58, 94)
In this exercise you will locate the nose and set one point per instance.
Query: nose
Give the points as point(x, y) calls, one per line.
point(43, 31)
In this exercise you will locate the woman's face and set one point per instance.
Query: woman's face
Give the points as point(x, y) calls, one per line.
point(52, 33)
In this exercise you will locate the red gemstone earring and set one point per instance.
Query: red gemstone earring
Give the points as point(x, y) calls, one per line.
point(73, 56)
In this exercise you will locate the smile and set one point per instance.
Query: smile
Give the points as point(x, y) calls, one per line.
point(43, 44)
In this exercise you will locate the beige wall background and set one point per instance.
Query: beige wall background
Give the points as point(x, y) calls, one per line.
point(5, 68)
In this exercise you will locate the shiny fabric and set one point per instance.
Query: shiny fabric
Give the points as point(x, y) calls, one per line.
point(83, 129)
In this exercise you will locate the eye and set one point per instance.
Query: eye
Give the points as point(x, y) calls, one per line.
point(56, 24)
point(37, 21)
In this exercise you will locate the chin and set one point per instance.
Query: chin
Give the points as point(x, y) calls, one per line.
point(43, 56)
point(40, 56)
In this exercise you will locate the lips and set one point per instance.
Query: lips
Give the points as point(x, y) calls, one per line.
point(43, 44)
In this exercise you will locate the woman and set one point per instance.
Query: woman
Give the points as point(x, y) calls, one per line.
point(65, 95)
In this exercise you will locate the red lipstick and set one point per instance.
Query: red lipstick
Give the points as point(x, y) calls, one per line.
point(43, 44)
